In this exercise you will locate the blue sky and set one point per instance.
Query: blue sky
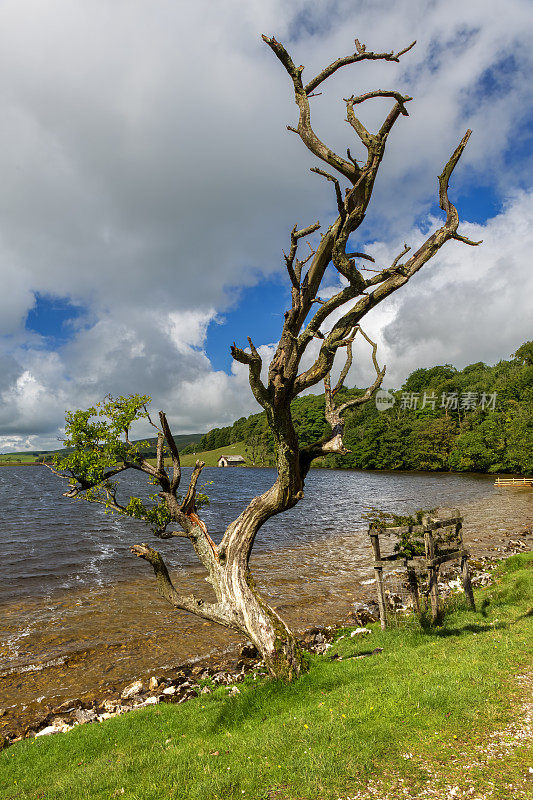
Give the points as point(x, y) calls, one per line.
point(54, 319)
point(149, 186)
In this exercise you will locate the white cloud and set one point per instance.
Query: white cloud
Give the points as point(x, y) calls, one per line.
point(467, 304)
point(146, 170)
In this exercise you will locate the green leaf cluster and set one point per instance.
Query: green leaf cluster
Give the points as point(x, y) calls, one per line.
point(98, 446)
point(99, 437)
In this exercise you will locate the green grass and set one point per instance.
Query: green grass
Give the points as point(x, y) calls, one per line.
point(17, 458)
point(211, 456)
point(427, 702)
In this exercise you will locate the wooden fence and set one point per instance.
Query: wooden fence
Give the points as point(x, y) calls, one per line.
point(443, 542)
point(513, 482)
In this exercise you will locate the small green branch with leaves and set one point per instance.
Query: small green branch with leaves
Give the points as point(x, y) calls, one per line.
point(100, 449)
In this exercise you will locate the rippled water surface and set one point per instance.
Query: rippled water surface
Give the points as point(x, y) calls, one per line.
point(49, 542)
point(79, 613)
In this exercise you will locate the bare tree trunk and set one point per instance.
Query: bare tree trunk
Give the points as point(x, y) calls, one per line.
point(260, 623)
point(239, 605)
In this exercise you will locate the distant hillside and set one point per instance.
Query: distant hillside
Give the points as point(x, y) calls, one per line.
point(210, 457)
point(32, 456)
point(478, 419)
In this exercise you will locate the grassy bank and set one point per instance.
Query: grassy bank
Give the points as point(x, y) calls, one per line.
point(417, 715)
point(16, 459)
point(211, 456)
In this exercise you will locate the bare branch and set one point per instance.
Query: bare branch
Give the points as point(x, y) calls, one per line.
point(175, 534)
point(452, 217)
point(304, 129)
point(290, 270)
point(301, 234)
point(296, 271)
point(361, 54)
point(467, 241)
point(444, 178)
point(405, 250)
point(302, 262)
point(364, 398)
point(335, 416)
point(189, 502)
point(398, 278)
point(371, 141)
point(400, 98)
point(405, 50)
point(59, 474)
point(345, 369)
point(342, 261)
point(358, 126)
point(338, 194)
point(254, 362)
point(326, 309)
point(160, 458)
point(353, 160)
point(167, 590)
point(174, 453)
point(388, 271)
point(149, 418)
point(380, 374)
point(361, 255)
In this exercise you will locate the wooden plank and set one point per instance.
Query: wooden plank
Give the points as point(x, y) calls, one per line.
point(435, 524)
point(374, 539)
point(432, 575)
point(398, 531)
point(467, 584)
point(513, 482)
point(388, 559)
point(449, 556)
point(419, 561)
point(412, 581)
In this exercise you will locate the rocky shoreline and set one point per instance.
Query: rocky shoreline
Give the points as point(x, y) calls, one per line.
point(192, 679)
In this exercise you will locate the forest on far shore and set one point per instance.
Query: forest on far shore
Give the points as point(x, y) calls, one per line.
point(478, 419)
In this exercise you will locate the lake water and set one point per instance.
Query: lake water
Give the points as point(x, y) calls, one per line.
point(78, 612)
point(50, 543)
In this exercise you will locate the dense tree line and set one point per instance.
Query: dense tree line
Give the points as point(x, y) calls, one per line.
point(478, 419)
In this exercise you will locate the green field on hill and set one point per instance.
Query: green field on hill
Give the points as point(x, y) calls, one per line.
point(211, 456)
point(12, 459)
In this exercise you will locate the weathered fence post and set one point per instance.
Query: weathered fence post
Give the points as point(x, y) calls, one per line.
point(412, 581)
point(465, 569)
point(374, 538)
point(467, 584)
point(432, 570)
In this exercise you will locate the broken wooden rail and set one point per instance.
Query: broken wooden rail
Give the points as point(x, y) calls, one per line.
point(439, 548)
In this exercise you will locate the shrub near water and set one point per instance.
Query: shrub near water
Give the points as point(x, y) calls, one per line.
point(428, 697)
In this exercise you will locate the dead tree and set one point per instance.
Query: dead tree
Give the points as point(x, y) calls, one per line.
point(238, 604)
